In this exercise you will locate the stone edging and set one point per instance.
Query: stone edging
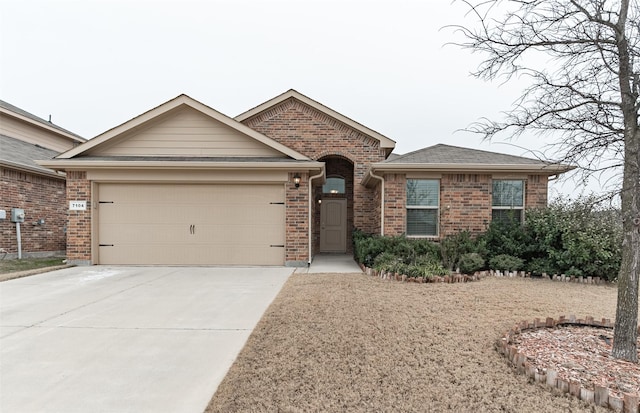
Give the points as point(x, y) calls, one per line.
point(449, 279)
point(555, 277)
point(600, 396)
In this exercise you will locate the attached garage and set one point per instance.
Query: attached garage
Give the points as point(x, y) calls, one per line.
point(183, 184)
point(190, 224)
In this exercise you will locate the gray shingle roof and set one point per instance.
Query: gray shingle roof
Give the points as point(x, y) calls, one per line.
point(15, 109)
point(441, 154)
point(14, 152)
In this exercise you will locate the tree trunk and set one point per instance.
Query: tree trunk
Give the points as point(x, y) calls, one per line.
point(625, 339)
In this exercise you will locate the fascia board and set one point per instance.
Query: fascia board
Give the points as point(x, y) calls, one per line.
point(51, 174)
point(384, 141)
point(551, 169)
point(73, 164)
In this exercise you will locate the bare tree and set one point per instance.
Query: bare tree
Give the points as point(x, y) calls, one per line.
point(584, 92)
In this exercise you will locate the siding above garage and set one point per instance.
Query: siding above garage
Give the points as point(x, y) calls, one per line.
point(184, 132)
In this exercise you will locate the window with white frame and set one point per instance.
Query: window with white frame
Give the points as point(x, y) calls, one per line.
point(507, 200)
point(423, 202)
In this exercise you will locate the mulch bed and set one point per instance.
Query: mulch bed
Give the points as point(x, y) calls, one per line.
point(356, 343)
point(582, 354)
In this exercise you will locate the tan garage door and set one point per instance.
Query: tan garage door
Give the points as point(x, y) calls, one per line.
point(180, 224)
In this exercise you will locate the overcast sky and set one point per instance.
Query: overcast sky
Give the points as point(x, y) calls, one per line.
point(93, 65)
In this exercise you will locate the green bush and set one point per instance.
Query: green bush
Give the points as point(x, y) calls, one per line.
point(504, 262)
point(454, 246)
point(385, 261)
point(470, 262)
point(426, 270)
point(575, 237)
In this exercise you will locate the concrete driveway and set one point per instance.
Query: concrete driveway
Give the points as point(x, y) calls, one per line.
point(126, 339)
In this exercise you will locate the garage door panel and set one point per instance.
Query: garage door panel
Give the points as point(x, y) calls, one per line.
point(191, 224)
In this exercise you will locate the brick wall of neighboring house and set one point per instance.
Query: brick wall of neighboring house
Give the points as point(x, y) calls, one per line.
point(297, 221)
point(41, 197)
point(79, 222)
point(317, 135)
point(465, 201)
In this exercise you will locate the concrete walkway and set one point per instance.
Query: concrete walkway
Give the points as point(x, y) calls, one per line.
point(126, 339)
point(331, 263)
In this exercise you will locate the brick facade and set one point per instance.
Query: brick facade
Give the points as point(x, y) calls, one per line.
point(41, 197)
point(465, 201)
point(321, 137)
point(79, 222)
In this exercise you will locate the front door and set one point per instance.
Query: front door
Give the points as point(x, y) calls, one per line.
point(333, 225)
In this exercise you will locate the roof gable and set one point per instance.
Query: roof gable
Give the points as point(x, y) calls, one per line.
point(385, 142)
point(182, 127)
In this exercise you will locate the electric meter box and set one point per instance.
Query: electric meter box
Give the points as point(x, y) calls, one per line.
point(17, 215)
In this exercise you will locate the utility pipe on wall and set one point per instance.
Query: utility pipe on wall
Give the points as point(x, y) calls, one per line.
point(311, 203)
point(18, 235)
point(381, 200)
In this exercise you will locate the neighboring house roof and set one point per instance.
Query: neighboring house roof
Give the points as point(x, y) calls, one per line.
point(165, 108)
point(447, 158)
point(385, 142)
point(33, 119)
point(17, 154)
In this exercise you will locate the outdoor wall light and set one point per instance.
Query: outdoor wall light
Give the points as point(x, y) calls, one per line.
point(296, 180)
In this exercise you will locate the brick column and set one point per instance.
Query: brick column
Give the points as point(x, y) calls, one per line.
point(79, 222)
point(297, 222)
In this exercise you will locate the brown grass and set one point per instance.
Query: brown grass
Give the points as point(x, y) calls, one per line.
point(354, 343)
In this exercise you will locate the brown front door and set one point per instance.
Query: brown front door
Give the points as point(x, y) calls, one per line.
point(333, 225)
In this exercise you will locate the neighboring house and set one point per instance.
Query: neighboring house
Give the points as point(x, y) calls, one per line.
point(24, 184)
point(185, 184)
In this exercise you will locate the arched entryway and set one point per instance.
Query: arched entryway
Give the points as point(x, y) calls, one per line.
point(333, 217)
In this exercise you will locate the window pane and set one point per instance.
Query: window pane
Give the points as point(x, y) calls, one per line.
point(507, 215)
point(333, 186)
point(508, 193)
point(423, 192)
point(422, 222)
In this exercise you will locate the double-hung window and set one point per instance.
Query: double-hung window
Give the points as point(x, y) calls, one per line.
point(507, 200)
point(423, 202)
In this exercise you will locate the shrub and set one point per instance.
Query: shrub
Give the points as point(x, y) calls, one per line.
point(385, 261)
point(506, 262)
point(426, 270)
point(470, 262)
point(575, 237)
point(454, 246)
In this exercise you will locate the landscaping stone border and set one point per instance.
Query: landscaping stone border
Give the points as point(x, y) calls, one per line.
point(555, 277)
point(600, 396)
point(449, 279)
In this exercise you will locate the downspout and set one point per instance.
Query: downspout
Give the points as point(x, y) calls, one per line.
point(381, 200)
point(311, 178)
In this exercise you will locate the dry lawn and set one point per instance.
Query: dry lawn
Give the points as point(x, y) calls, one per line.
point(355, 343)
